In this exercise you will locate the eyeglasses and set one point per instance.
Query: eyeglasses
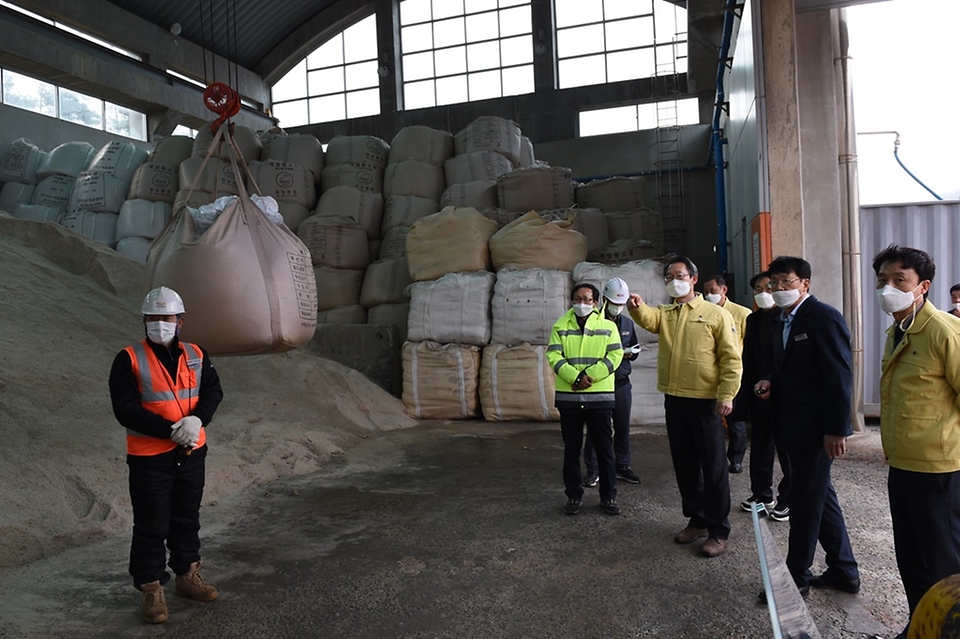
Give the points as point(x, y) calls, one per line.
point(777, 284)
point(582, 300)
point(679, 276)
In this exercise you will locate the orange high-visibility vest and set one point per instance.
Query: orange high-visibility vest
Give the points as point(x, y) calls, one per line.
point(173, 399)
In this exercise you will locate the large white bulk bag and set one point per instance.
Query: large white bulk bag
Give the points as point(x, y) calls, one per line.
point(21, 161)
point(302, 150)
point(641, 224)
point(490, 133)
point(440, 380)
point(364, 207)
point(143, 218)
point(217, 176)
point(623, 251)
point(404, 210)
point(385, 282)
point(536, 188)
point(618, 193)
point(69, 158)
point(293, 214)
point(335, 241)
point(532, 242)
point(98, 191)
point(337, 287)
point(644, 278)
point(421, 143)
point(136, 248)
point(517, 384)
point(365, 176)
point(411, 177)
point(454, 309)
point(591, 223)
point(500, 216)
point(355, 314)
point(478, 195)
point(246, 281)
point(38, 212)
point(526, 153)
point(482, 165)
point(451, 241)
point(246, 138)
point(526, 303)
point(285, 182)
point(119, 159)
point(392, 315)
point(54, 191)
point(155, 181)
point(99, 227)
point(357, 149)
point(394, 244)
point(172, 149)
point(13, 194)
point(194, 199)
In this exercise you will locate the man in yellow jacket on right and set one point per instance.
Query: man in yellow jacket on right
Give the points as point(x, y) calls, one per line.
point(698, 371)
point(920, 421)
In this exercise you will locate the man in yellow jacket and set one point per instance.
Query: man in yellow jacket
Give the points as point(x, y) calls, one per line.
point(584, 352)
point(698, 371)
point(920, 421)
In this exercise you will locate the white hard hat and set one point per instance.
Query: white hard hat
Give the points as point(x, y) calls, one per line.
point(617, 291)
point(162, 301)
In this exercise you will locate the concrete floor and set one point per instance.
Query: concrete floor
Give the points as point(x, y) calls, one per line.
point(455, 530)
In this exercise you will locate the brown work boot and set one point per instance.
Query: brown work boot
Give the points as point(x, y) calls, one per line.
point(193, 586)
point(689, 535)
point(152, 603)
point(714, 547)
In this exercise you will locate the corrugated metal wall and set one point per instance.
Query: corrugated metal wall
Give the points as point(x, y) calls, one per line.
point(933, 227)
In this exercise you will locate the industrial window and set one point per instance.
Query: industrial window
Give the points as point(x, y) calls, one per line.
point(602, 41)
point(338, 81)
point(27, 93)
point(457, 51)
point(638, 117)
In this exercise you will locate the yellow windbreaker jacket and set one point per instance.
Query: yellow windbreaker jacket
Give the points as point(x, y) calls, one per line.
point(739, 314)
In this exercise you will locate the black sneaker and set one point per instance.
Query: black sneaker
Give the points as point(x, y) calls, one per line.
point(610, 506)
point(591, 480)
point(747, 504)
point(573, 506)
point(626, 474)
point(780, 513)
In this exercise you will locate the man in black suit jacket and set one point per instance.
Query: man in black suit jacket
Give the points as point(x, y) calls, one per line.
point(810, 387)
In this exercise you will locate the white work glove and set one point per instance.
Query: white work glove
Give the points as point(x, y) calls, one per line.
point(186, 432)
point(633, 350)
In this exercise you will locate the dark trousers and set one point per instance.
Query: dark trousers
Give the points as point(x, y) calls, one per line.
point(925, 509)
point(737, 445)
point(621, 433)
point(600, 432)
point(695, 433)
point(165, 491)
point(765, 445)
point(815, 515)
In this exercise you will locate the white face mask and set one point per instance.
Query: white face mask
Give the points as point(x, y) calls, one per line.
point(786, 299)
point(582, 310)
point(956, 307)
point(893, 300)
point(614, 309)
point(713, 298)
point(764, 300)
point(678, 288)
point(161, 332)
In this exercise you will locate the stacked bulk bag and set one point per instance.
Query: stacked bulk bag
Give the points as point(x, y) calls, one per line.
point(623, 251)
point(490, 133)
point(532, 242)
point(385, 282)
point(68, 159)
point(394, 243)
point(617, 193)
point(517, 384)
point(536, 188)
point(451, 241)
point(591, 223)
point(636, 232)
point(356, 161)
point(153, 193)
point(364, 207)
point(156, 182)
point(644, 278)
point(173, 149)
point(245, 138)
point(452, 309)
point(338, 288)
point(421, 143)
point(480, 195)
point(302, 150)
point(393, 314)
point(412, 177)
point(119, 159)
point(639, 224)
point(18, 169)
point(440, 381)
point(526, 303)
point(139, 222)
point(355, 314)
point(13, 194)
point(338, 250)
point(404, 210)
point(527, 158)
point(482, 165)
point(291, 185)
point(215, 177)
point(50, 199)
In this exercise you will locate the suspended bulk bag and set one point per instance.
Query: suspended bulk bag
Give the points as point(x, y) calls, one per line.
point(247, 282)
point(537, 188)
point(355, 314)
point(172, 149)
point(421, 143)
point(517, 384)
point(193, 199)
point(482, 165)
point(340, 286)
point(364, 207)
point(618, 193)
point(335, 241)
point(302, 150)
point(119, 159)
point(364, 176)
point(532, 242)
point(440, 380)
point(357, 149)
point(142, 218)
point(385, 282)
point(20, 162)
point(394, 314)
point(526, 303)
point(411, 177)
point(155, 181)
point(454, 309)
point(451, 241)
point(404, 210)
point(644, 278)
point(490, 133)
point(478, 195)
point(592, 223)
point(69, 158)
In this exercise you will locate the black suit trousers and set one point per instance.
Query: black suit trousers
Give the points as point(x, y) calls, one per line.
point(600, 432)
point(765, 445)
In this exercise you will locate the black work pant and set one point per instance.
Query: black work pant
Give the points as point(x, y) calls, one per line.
point(165, 491)
point(600, 432)
point(925, 509)
point(621, 433)
point(765, 445)
point(695, 433)
point(815, 515)
point(737, 446)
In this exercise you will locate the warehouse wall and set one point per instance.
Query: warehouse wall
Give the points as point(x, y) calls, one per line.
point(47, 132)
